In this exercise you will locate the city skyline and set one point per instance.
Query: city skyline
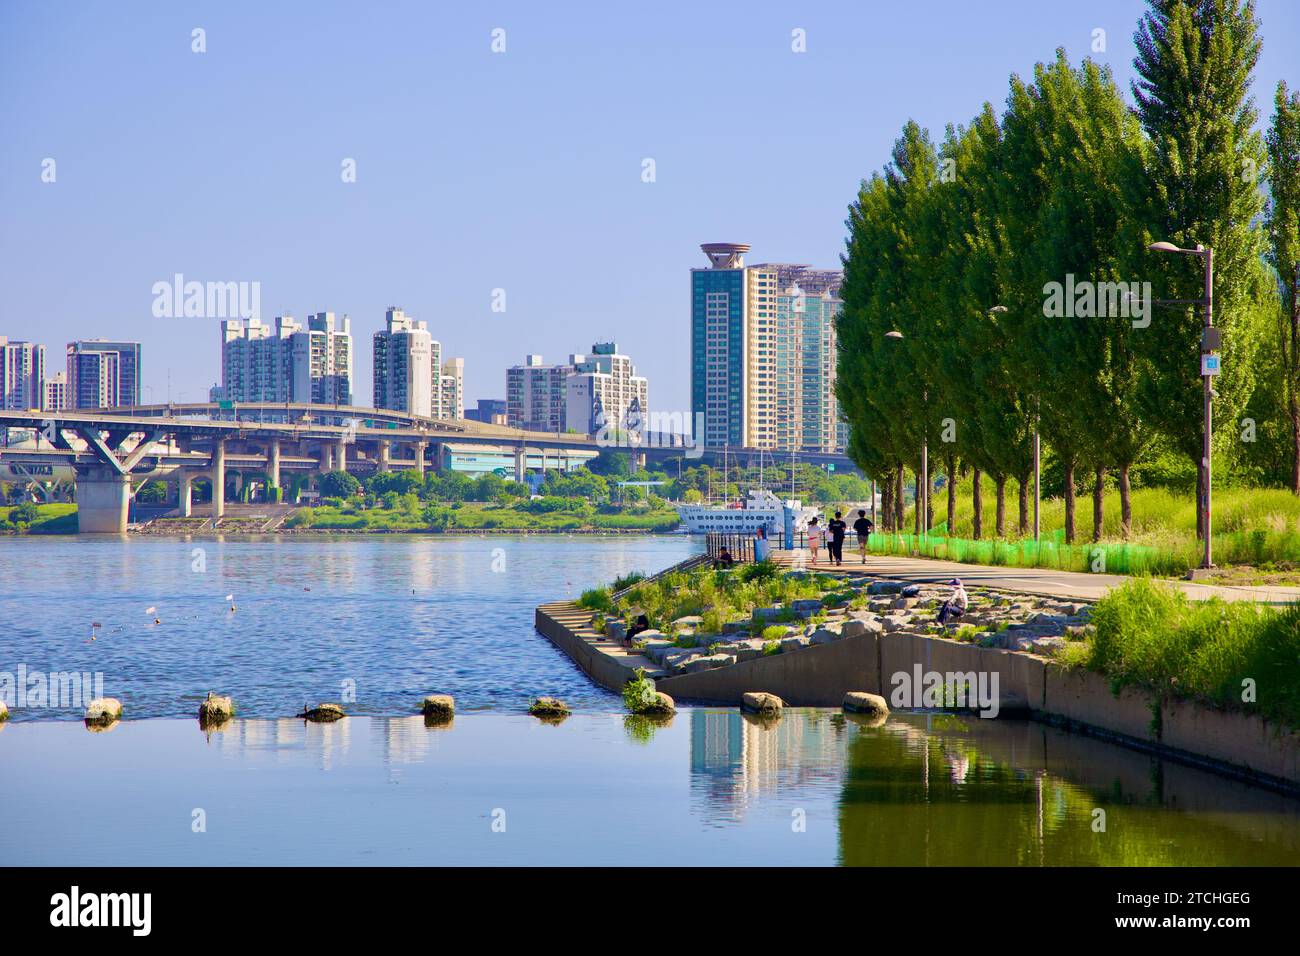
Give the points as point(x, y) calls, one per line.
point(502, 180)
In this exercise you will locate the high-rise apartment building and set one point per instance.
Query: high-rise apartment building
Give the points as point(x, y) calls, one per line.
point(404, 378)
point(763, 352)
point(103, 374)
point(322, 361)
point(54, 392)
point(817, 420)
point(601, 390)
point(451, 389)
point(536, 398)
point(22, 370)
point(257, 360)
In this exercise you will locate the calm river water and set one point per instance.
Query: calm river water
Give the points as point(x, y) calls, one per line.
point(380, 619)
point(402, 616)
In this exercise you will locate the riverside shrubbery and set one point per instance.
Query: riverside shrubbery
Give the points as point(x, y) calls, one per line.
point(1158, 638)
point(718, 597)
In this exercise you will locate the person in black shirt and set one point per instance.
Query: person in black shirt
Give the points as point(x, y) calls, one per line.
point(838, 529)
point(863, 527)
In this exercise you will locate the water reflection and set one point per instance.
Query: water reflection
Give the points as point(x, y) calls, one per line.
point(956, 791)
point(706, 786)
point(735, 758)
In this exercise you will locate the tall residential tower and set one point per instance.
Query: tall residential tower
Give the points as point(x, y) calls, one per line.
point(763, 353)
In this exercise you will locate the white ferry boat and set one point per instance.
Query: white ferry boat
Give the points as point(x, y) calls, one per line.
point(760, 508)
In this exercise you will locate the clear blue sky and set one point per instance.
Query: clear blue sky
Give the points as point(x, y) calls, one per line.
point(475, 170)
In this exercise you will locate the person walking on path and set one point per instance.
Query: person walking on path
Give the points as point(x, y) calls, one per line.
point(815, 537)
point(864, 528)
point(838, 529)
point(762, 546)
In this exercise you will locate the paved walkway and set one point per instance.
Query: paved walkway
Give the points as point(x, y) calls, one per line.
point(1041, 581)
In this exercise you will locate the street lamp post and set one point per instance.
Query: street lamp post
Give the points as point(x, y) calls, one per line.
point(1209, 344)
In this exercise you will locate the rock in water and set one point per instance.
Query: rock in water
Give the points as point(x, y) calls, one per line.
point(103, 711)
point(549, 707)
point(215, 710)
point(858, 702)
point(760, 702)
point(660, 705)
point(439, 706)
point(323, 713)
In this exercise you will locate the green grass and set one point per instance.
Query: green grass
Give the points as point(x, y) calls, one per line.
point(1258, 527)
point(718, 597)
point(57, 518)
point(479, 517)
point(1156, 637)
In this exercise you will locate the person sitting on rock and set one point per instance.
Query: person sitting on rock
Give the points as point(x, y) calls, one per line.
point(956, 605)
point(642, 623)
point(725, 560)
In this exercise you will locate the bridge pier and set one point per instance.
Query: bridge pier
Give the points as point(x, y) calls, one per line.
point(326, 457)
point(521, 463)
point(383, 453)
point(420, 447)
point(219, 478)
point(341, 456)
point(185, 493)
point(103, 495)
point(273, 463)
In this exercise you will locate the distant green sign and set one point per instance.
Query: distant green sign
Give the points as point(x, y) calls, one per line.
point(226, 404)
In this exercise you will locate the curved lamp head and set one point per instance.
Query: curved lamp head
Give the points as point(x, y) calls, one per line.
point(998, 308)
point(1163, 247)
point(895, 334)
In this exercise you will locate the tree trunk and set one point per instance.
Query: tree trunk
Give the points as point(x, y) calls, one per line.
point(1294, 409)
point(1069, 500)
point(916, 504)
point(1098, 503)
point(882, 523)
point(1125, 504)
point(1000, 483)
point(1022, 500)
point(977, 506)
point(887, 502)
point(952, 495)
point(900, 505)
point(929, 503)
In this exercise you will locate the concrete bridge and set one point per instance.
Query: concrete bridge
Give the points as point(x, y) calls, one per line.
point(110, 453)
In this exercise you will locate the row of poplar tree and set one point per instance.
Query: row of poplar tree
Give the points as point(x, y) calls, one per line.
point(956, 244)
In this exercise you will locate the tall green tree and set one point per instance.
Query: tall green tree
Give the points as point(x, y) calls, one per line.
point(1282, 226)
point(1194, 63)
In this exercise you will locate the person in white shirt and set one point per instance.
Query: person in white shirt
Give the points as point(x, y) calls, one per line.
point(816, 535)
point(956, 605)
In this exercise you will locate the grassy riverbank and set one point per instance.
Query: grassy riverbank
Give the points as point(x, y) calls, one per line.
point(717, 597)
point(474, 516)
point(58, 518)
point(1254, 527)
point(1236, 655)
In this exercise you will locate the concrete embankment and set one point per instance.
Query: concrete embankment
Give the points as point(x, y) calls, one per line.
point(1241, 745)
